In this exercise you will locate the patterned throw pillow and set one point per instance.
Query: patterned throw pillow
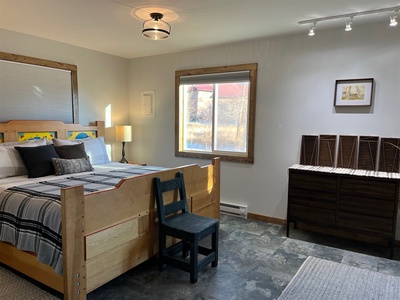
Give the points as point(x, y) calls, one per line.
point(68, 166)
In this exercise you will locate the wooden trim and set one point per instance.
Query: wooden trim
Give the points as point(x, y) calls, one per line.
point(282, 222)
point(13, 127)
point(257, 217)
point(27, 264)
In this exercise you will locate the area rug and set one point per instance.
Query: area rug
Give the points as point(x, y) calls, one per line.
point(322, 279)
point(14, 287)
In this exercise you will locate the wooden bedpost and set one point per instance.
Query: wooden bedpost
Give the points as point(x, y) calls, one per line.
point(216, 162)
point(73, 247)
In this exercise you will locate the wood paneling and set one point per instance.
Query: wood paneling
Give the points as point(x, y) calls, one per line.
point(347, 151)
point(309, 150)
point(327, 150)
point(389, 155)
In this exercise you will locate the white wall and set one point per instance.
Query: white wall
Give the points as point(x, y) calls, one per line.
point(296, 77)
point(102, 78)
point(295, 90)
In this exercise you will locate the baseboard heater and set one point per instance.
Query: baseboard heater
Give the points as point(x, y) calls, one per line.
point(237, 210)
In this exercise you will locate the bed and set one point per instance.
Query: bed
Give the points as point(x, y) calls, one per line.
point(107, 232)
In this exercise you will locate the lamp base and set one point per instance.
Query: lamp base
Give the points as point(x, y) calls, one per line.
point(123, 161)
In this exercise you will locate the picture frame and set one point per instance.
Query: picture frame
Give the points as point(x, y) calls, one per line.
point(354, 92)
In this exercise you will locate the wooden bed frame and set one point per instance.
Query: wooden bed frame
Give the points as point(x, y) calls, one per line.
point(106, 233)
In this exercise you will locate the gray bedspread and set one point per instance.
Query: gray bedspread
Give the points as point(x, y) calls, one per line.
point(30, 215)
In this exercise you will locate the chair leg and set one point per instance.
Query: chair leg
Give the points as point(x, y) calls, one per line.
point(214, 245)
point(162, 244)
point(184, 248)
point(194, 267)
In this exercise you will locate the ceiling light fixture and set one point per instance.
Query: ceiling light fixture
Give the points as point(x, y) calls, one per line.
point(393, 19)
point(155, 28)
point(348, 24)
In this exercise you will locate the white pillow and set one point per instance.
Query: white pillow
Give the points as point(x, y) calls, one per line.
point(11, 163)
point(60, 142)
point(32, 143)
point(95, 148)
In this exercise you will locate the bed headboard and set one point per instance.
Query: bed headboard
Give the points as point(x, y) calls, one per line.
point(20, 130)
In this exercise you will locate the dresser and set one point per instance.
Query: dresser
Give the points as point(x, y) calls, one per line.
point(359, 203)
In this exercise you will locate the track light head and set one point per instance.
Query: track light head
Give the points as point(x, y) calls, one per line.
point(313, 22)
point(311, 30)
point(393, 19)
point(348, 24)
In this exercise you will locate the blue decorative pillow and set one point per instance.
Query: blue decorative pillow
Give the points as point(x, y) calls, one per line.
point(68, 166)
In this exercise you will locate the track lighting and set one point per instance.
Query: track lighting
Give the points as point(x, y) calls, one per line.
point(313, 22)
point(348, 24)
point(393, 19)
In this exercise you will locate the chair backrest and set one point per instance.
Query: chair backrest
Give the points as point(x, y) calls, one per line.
point(161, 187)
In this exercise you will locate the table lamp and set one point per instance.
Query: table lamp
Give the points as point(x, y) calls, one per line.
point(123, 134)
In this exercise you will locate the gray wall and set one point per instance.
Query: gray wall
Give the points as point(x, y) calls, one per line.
point(102, 78)
point(296, 78)
point(295, 91)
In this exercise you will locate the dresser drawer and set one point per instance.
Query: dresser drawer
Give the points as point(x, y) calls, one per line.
point(316, 182)
point(362, 187)
point(367, 207)
point(372, 225)
point(312, 215)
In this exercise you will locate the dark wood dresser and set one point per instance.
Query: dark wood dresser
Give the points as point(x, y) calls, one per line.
point(362, 204)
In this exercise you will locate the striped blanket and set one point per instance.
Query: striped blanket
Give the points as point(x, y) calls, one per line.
point(30, 215)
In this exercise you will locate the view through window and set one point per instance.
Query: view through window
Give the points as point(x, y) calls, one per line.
point(215, 112)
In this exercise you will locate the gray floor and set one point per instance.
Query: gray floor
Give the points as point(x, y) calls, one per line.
point(256, 261)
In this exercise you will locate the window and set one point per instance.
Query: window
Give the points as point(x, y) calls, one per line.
point(215, 112)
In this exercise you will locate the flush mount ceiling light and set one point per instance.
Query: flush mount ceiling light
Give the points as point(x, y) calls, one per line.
point(393, 18)
point(155, 28)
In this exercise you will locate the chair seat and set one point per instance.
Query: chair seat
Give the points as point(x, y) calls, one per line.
point(190, 223)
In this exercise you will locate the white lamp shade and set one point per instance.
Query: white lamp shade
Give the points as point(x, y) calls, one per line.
point(123, 133)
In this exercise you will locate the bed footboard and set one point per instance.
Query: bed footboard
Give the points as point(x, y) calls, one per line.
point(112, 231)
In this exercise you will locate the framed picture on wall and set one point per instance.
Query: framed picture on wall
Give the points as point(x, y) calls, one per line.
point(354, 92)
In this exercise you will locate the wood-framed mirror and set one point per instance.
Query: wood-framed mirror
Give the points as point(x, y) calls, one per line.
point(37, 89)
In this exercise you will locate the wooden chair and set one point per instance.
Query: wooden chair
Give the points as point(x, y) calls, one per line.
point(187, 227)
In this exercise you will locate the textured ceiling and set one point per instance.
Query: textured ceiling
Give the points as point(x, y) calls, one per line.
point(114, 26)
